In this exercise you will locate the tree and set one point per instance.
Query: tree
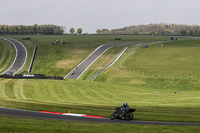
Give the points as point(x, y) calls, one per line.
point(190, 32)
point(79, 31)
point(32, 29)
point(105, 31)
point(35, 29)
point(58, 32)
point(196, 30)
point(98, 31)
point(2, 30)
point(72, 30)
point(183, 32)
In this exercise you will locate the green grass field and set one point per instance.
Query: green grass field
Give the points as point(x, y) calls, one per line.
point(17, 125)
point(134, 79)
point(175, 65)
point(59, 60)
point(7, 55)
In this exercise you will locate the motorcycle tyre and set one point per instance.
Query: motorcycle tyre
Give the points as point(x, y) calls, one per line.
point(129, 116)
point(112, 116)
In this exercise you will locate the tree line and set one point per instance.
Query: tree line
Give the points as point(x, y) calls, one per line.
point(160, 29)
point(32, 29)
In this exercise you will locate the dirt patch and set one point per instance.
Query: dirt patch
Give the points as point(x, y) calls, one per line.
point(76, 57)
point(67, 64)
point(78, 53)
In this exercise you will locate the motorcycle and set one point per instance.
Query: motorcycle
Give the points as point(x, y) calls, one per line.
point(119, 114)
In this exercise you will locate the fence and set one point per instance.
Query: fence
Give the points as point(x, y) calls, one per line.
point(33, 58)
point(161, 75)
point(35, 76)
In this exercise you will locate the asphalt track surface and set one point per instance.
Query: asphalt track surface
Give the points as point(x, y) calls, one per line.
point(39, 115)
point(20, 59)
point(82, 67)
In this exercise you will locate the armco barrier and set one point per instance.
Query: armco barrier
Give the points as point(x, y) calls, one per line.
point(35, 76)
point(33, 58)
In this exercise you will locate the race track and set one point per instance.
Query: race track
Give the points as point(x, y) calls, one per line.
point(20, 59)
point(39, 115)
point(85, 64)
point(18, 64)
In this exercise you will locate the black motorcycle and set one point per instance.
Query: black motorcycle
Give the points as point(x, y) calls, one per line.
point(119, 114)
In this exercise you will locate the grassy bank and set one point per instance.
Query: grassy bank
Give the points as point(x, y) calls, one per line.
point(176, 60)
point(8, 124)
point(100, 99)
point(7, 55)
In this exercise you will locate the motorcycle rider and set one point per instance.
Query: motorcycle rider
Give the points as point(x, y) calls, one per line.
point(124, 108)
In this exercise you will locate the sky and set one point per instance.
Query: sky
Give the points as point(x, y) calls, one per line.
point(91, 15)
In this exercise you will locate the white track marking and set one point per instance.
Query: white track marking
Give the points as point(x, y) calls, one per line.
point(25, 57)
point(83, 61)
point(72, 114)
point(15, 56)
point(94, 61)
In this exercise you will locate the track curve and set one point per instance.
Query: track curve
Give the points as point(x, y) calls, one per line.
point(20, 59)
point(85, 64)
point(39, 115)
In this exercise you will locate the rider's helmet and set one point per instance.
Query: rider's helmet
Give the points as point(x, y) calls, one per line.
point(125, 103)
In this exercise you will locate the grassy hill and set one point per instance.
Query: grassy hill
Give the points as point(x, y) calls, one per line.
point(175, 61)
point(59, 60)
point(133, 79)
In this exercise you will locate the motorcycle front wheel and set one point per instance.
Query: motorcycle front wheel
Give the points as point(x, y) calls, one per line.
point(129, 116)
point(112, 116)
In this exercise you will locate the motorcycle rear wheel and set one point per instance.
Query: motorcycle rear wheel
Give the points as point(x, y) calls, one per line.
point(129, 116)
